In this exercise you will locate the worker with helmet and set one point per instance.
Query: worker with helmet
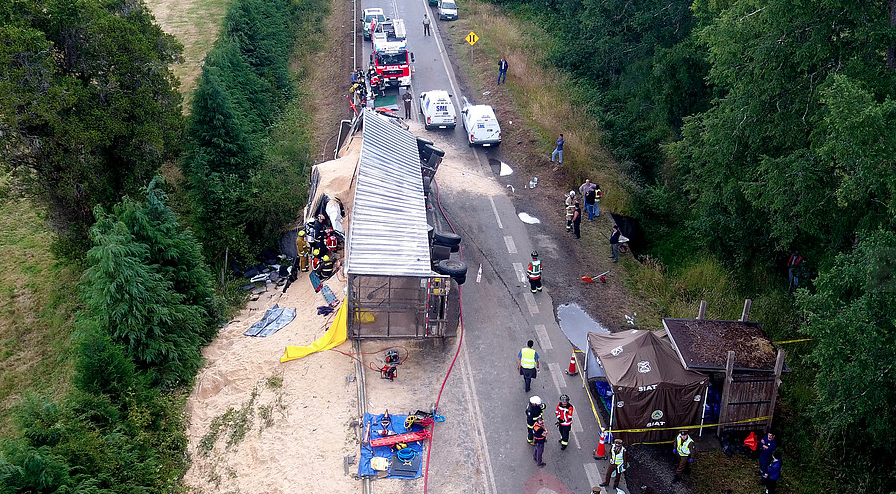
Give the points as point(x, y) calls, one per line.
point(564, 420)
point(534, 273)
point(327, 265)
point(303, 249)
point(331, 241)
point(528, 364)
point(534, 411)
point(316, 261)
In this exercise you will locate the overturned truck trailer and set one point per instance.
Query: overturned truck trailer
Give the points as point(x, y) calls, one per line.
point(393, 291)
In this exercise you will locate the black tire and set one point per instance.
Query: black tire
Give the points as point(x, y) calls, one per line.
point(452, 268)
point(446, 238)
point(460, 279)
point(452, 248)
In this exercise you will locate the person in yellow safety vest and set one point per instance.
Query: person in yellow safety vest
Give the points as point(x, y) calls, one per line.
point(684, 448)
point(618, 458)
point(315, 261)
point(534, 411)
point(303, 250)
point(528, 364)
point(534, 273)
point(564, 420)
point(326, 267)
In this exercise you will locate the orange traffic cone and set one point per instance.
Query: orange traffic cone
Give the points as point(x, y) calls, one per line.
point(601, 450)
point(572, 364)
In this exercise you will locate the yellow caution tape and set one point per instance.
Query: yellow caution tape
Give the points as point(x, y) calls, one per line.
point(790, 341)
point(587, 391)
point(688, 427)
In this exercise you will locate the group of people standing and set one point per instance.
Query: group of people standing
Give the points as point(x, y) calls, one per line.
point(592, 194)
point(537, 433)
point(316, 246)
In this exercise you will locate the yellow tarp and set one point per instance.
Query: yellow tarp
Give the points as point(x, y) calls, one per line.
point(334, 337)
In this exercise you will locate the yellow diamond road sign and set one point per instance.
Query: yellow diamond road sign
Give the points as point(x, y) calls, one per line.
point(472, 38)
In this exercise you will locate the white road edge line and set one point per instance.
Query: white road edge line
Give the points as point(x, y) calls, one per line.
point(472, 399)
point(495, 209)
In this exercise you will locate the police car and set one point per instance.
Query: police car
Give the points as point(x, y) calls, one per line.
point(374, 15)
point(438, 110)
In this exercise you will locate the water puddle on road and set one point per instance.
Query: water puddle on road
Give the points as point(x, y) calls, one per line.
point(576, 324)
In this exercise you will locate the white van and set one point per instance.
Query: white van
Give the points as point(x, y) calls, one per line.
point(438, 110)
point(481, 125)
point(447, 10)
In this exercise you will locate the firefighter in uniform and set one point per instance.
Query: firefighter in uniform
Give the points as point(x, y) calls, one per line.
point(534, 411)
point(564, 420)
point(316, 261)
point(534, 273)
point(331, 240)
point(618, 461)
point(327, 264)
point(684, 450)
point(303, 249)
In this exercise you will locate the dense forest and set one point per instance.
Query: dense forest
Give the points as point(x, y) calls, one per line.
point(90, 117)
point(751, 131)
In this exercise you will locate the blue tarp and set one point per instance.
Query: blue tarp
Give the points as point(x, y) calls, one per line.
point(397, 427)
point(274, 319)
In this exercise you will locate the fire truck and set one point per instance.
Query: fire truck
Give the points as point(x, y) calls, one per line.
point(392, 62)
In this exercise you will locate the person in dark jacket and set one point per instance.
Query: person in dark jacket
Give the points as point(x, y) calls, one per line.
point(767, 446)
point(577, 220)
point(540, 434)
point(770, 478)
point(502, 70)
point(614, 244)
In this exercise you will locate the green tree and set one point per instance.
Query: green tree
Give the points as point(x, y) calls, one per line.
point(850, 318)
point(148, 288)
point(88, 107)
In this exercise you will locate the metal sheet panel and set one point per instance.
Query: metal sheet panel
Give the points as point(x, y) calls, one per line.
point(388, 232)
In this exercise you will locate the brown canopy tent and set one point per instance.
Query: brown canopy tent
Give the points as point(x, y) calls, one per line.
point(651, 389)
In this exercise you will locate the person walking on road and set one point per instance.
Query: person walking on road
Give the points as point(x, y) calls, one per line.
point(577, 219)
point(540, 435)
point(684, 451)
point(533, 272)
point(564, 420)
point(770, 478)
point(502, 70)
point(614, 244)
point(618, 462)
point(767, 446)
point(558, 150)
point(426, 22)
point(528, 364)
point(534, 411)
point(407, 104)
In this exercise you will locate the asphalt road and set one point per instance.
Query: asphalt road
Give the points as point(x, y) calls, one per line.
point(500, 314)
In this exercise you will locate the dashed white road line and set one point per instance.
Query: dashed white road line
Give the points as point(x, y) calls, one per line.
point(520, 271)
point(543, 340)
point(511, 247)
point(593, 474)
point(555, 371)
point(530, 301)
point(495, 209)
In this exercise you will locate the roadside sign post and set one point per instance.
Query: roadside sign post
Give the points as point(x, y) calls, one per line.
point(472, 39)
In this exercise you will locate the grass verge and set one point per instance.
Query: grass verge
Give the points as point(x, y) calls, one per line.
point(37, 301)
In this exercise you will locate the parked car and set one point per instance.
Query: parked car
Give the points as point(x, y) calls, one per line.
point(480, 124)
point(369, 15)
point(438, 110)
point(447, 10)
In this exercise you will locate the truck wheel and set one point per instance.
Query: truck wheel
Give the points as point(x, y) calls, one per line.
point(452, 268)
point(446, 238)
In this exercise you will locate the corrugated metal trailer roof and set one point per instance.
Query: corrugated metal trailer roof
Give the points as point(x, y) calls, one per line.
point(388, 232)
